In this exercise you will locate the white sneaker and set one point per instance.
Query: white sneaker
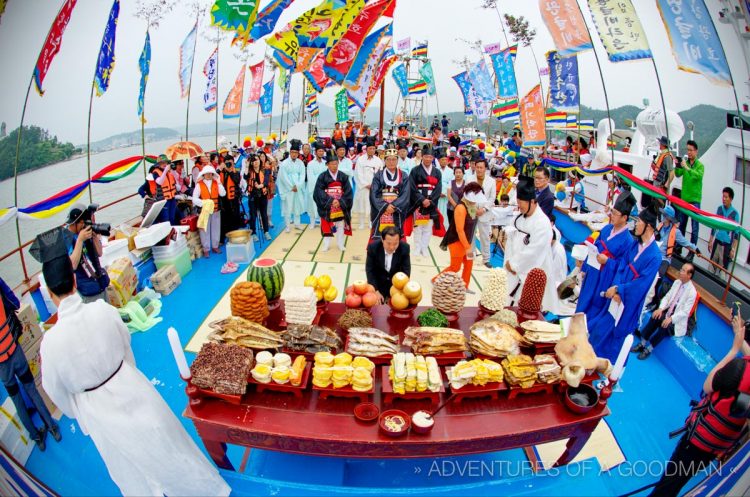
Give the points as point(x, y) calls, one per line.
point(288, 229)
point(361, 226)
point(268, 235)
point(326, 245)
point(298, 227)
point(342, 248)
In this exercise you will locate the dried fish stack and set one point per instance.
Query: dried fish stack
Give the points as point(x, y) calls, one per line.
point(371, 342)
point(429, 341)
point(495, 339)
point(239, 331)
point(310, 338)
point(222, 368)
point(495, 290)
point(547, 369)
point(448, 293)
point(300, 305)
point(519, 370)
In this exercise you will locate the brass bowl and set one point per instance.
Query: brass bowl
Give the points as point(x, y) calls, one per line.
point(238, 236)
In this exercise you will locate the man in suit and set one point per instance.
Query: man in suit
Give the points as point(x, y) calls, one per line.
point(386, 257)
point(544, 197)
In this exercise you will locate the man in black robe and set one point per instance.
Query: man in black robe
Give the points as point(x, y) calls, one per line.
point(425, 188)
point(389, 196)
point(333, 198)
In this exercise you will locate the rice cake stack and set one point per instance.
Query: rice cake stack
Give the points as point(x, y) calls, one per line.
point(300, 305)
point(222, 368)
point(519, 370)
point(547, 368)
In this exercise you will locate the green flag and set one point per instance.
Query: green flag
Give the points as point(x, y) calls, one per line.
point(282, 78)
point(342, 106)
point(426, 72)
point(234, 15)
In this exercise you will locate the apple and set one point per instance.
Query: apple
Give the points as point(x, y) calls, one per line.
point(349, 290)
point(360, 287)
point(369, 299)
point(371, 288)
point(353, 301)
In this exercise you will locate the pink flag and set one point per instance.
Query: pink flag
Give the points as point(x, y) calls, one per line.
point(256, 72)
point(492, 48)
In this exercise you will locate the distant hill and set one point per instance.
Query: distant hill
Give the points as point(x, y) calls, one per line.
point(132, 138)
point(38, 149)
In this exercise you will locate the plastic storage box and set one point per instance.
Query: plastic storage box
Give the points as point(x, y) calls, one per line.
point(181, 261)
point(240, 253)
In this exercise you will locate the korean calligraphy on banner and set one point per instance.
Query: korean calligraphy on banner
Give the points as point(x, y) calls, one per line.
point(620, 30)
point(695, 43)
point(566, 25)
point(563, 82)
point(506, 75)
point(342, 106)
point(462, 80)
point(233, 103)
point(533, 119)
point(256, 72)
point(482, 81)
point(266, 100)
point(399, 76)
point(492, 48)
point(210, 96)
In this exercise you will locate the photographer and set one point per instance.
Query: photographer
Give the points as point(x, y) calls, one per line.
point(84, 249)
point(718, 422)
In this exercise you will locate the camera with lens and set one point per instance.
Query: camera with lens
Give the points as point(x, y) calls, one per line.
point(678, 161)
point(103, 229)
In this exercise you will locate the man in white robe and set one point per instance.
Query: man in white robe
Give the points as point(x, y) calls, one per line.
point(366, 167)
point(484, 211)
point(314, 168)
point(529, 244)
point(291, 187)
point(89, 372)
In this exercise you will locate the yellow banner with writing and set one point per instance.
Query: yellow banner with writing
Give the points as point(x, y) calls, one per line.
point(620, 30)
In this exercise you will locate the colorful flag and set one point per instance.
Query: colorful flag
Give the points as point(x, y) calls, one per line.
point(268, 17)
point(620, 30)
point(492, 48)
point(311, 100)
point(233, 103)
point(311, 25)
point(342, 106)
point(420, 50)
point(234, 15)
point(462, 80)
point(426, 72)
point(105, 64)
point(507, 110)
point(360, 93)
point(187, 52)
point(315, 73)
point(556, 119)
point(285, 47)
point(342, 55)
point(266, 99)
point(399, 76)
point(403, 45)
point(587, 124)
point(482, 81)
point(563, 82)
point(343, 20)
point(418, 87)
point(256, 71)
point(502, 62)
point(533, 118)
point(571, 121)
point(366, 51)
point(52, 44)
point(695, 44)
point(350, 102)
point(566, 25)
point(210, 97)
point(287, 87)
point(144, 64)
point(387, 59)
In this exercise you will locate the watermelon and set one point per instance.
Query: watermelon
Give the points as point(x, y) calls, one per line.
point(269, 274)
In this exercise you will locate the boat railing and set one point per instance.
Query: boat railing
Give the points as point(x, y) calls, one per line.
point(28, 284)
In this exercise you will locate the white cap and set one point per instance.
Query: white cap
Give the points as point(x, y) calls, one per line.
point(207, 170)
point(452, 149)
point(579, 252)
point(585, 159)
point(477, 198)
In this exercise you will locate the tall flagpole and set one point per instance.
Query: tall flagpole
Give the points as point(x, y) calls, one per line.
point(216, 129)
point(143, 128)
point(190, 80)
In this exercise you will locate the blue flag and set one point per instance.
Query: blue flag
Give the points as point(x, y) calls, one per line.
point(482, 81)
point(462, 80)
point(502, 62)
point(266, 99)
point(563, 82)
point(399, 75)
point(268, 17)
point(105, 64)
point(144, 63)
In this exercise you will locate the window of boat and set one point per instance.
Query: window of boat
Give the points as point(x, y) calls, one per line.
point(738, 173)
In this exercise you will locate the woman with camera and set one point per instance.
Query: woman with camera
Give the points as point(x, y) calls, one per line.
point(718, 422)
point(258, 180)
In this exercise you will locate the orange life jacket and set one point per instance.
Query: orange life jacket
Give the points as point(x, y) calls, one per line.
point(7, 342)
point(213, 195)
point(656, 166)
point(169, 188)
point(229, 185)
point(153, 187)
point(337, 134)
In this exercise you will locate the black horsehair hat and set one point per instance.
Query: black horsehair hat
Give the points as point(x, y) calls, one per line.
point(525, 189)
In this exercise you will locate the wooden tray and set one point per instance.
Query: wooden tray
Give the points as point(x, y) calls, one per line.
point(389, 395)
point(286, 387)
point(198, 394)
point(449, 358)
point(316, 320)
point(377, 360)
point(477, 391)
point(516, 390)
point(347, 391)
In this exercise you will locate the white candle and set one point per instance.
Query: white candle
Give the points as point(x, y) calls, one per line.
point(179, 355)
point(620, 364)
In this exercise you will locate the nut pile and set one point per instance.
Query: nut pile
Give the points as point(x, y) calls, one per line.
point(353, 318)
point(495, 290)
point(222, 368)
point(448, 293)
point(248, 301)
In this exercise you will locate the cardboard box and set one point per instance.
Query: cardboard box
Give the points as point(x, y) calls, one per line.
point(13, 435)
point(51, 407)
point(166, 279)
point(193, 236)
point(32, 331)
point(27, 314)
point(123, 282)
point(127, 232)
point(32, 350)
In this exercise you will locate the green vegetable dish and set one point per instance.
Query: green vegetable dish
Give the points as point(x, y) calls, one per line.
point(432, 317)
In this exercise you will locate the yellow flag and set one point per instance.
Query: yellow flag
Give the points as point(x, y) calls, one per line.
point(343, 18)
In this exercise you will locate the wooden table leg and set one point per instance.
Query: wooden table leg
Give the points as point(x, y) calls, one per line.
point(576, 443)
point(218, 452)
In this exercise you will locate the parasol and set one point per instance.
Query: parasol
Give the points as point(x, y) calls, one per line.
point(183, 151)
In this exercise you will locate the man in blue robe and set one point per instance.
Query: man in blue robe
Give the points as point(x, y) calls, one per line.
point(613, 244)
point(633, 279)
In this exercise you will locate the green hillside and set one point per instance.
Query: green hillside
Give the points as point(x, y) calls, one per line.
point(38, 149)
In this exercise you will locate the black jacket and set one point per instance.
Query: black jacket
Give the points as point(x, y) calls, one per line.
point(377, 276)
point(546, 201)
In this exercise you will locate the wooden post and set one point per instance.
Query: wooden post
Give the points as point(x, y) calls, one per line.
point(382, 112)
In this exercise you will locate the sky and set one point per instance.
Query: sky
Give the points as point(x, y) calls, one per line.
point(63, 109)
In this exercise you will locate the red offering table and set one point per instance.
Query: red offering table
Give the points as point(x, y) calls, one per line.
point(309, 425)
point(286, 387)
point(389, 395)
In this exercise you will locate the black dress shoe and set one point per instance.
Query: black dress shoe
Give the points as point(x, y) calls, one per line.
point(644, 354)
point(55, 432)
point(638, 348)
point(40, 441)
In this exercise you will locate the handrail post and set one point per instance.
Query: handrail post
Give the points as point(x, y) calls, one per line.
point(20, 251)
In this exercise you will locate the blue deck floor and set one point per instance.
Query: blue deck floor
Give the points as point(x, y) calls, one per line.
point(650, 404)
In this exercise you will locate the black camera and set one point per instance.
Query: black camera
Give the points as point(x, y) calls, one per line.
point(103, 229)
point(678, 161)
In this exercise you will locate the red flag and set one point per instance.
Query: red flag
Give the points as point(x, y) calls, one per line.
point(342, 54)
point(257, 83)
point(390, 10)
point(233, 103)
point(52, 44)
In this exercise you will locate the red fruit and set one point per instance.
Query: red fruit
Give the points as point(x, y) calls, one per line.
point(349, 290)
point(371, 289)
point(360, 287)
point(353, 301)
point(369, 299)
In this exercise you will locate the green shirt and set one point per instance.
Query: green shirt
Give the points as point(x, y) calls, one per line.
point(692, 181)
